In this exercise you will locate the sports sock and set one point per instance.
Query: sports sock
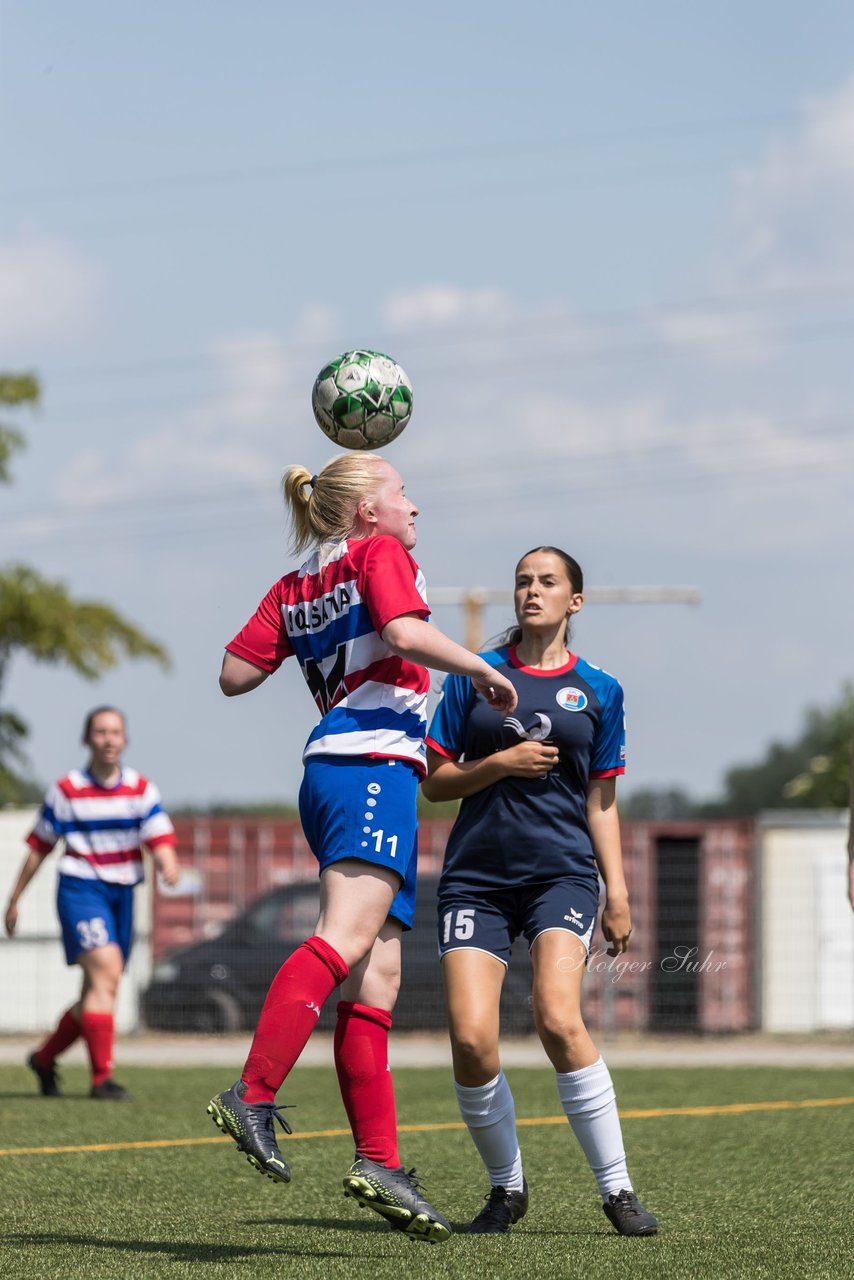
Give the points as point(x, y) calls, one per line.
point(588, 1100)
point(293, 1004)
point(98, 1030)
point(365, 1080)
point(67, 1031)
point(490, 1115)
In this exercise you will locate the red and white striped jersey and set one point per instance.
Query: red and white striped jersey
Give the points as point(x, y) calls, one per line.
point(103, 827)
point(330, 614)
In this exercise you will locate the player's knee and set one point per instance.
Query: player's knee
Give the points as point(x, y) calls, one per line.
point(473, 1047)
point(558, 1027)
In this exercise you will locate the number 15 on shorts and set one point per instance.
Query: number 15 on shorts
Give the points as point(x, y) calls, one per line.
point(458, 923)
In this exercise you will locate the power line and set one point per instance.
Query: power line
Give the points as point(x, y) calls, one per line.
point(499, 367)
point(458, 153)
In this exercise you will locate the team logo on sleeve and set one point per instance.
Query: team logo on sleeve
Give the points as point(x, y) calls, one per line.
point(571, 699)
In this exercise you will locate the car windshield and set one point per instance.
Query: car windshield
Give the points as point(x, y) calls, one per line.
point(283, 917)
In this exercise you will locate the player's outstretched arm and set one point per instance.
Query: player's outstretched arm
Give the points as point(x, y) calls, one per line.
point(239, 676)
point(412, 638)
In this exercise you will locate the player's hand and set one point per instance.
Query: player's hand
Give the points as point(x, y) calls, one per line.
point(617, 925)
point(497, 690)
point(530, 759)
point(168, 866)
point(11, 918)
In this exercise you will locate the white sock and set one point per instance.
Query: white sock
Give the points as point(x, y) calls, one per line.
point(490, 1115)
point(588, 1100)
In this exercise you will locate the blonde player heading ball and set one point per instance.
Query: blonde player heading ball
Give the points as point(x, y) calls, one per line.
point(354, 617)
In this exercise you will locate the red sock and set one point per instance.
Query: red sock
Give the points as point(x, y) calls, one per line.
point(67, 1031)
point(361, 1060)
point(297, 994)
point(98, 1030)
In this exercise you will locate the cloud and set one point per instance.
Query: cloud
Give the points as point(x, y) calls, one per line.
point(793, 214)
point(49, 290)
point(441, 304)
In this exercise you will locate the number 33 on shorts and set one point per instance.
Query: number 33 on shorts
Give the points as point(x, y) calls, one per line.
point(93, 933)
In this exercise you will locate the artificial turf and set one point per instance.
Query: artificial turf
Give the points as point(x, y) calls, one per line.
point(752, 1194)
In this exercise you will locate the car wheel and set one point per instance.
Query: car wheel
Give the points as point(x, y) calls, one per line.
point(216, 1012)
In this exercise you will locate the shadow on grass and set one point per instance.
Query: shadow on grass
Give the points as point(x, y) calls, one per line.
point(191, 1251)
point(368, 1226)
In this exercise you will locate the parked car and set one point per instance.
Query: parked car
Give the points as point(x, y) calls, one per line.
point(219, 984)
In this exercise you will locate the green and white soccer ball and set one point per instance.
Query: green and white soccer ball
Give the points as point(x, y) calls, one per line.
point(362, 400)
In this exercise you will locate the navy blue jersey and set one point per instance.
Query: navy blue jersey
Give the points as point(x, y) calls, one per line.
point(528, 830)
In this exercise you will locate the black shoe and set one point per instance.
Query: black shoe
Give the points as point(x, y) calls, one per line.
point(110, 1090)
point(396, 1195)
point(629, 1216)
point(501, 1210)
point(48, 1082)
point(251, 1126)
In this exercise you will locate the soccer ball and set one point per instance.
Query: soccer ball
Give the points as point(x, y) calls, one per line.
point(362, 400)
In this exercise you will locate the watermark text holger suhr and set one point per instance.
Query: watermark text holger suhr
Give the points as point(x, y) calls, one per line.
point(685, 960)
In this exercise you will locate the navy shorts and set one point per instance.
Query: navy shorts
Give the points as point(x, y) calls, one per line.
point(490, 921)
point(351, 807)
point(93, 914)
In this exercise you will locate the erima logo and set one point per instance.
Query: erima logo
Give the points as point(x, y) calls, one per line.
point(316, 1007)
point(571, 699)
point(538, 732)
point(575, 917)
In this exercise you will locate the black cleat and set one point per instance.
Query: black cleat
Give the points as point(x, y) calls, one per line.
point(501, 1210)
point(396, 1195)
point(251, 1126)
point(629, 1216)
point(47, 1077)
point(110, 1090)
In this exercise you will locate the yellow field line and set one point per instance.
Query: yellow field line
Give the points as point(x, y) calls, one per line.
point(725, 1109)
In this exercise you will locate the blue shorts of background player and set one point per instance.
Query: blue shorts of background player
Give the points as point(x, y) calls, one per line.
point(93, 914)
point(491, 920)
point(351, 807)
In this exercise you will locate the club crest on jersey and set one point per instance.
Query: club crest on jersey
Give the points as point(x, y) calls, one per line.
point(536, 732)
point(571, 699)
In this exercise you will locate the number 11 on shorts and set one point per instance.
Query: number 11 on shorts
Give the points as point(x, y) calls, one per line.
point(379, 836)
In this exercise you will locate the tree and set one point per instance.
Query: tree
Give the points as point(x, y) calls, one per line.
point(810, 773)
point(39, 617)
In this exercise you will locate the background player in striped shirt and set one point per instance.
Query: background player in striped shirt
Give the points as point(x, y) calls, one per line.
point(106, 814)
point(354, 616)
point(538, 817)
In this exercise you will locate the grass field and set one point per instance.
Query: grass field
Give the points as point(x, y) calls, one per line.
point(759, 1192)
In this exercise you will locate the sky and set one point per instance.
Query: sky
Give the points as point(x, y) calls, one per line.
point(613, 248)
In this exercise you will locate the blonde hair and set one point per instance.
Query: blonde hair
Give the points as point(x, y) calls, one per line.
point(322, 507)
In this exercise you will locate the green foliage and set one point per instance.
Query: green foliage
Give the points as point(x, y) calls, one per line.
point(658, 804)
point(15, 389)
point(810, 773)
point(40, 618)
point(813, 772)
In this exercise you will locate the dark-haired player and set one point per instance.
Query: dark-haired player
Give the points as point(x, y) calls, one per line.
point(537, 825)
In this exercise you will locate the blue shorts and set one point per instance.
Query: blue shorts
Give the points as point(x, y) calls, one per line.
point(490, 921)
point(93, 914)
point(351, 807)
